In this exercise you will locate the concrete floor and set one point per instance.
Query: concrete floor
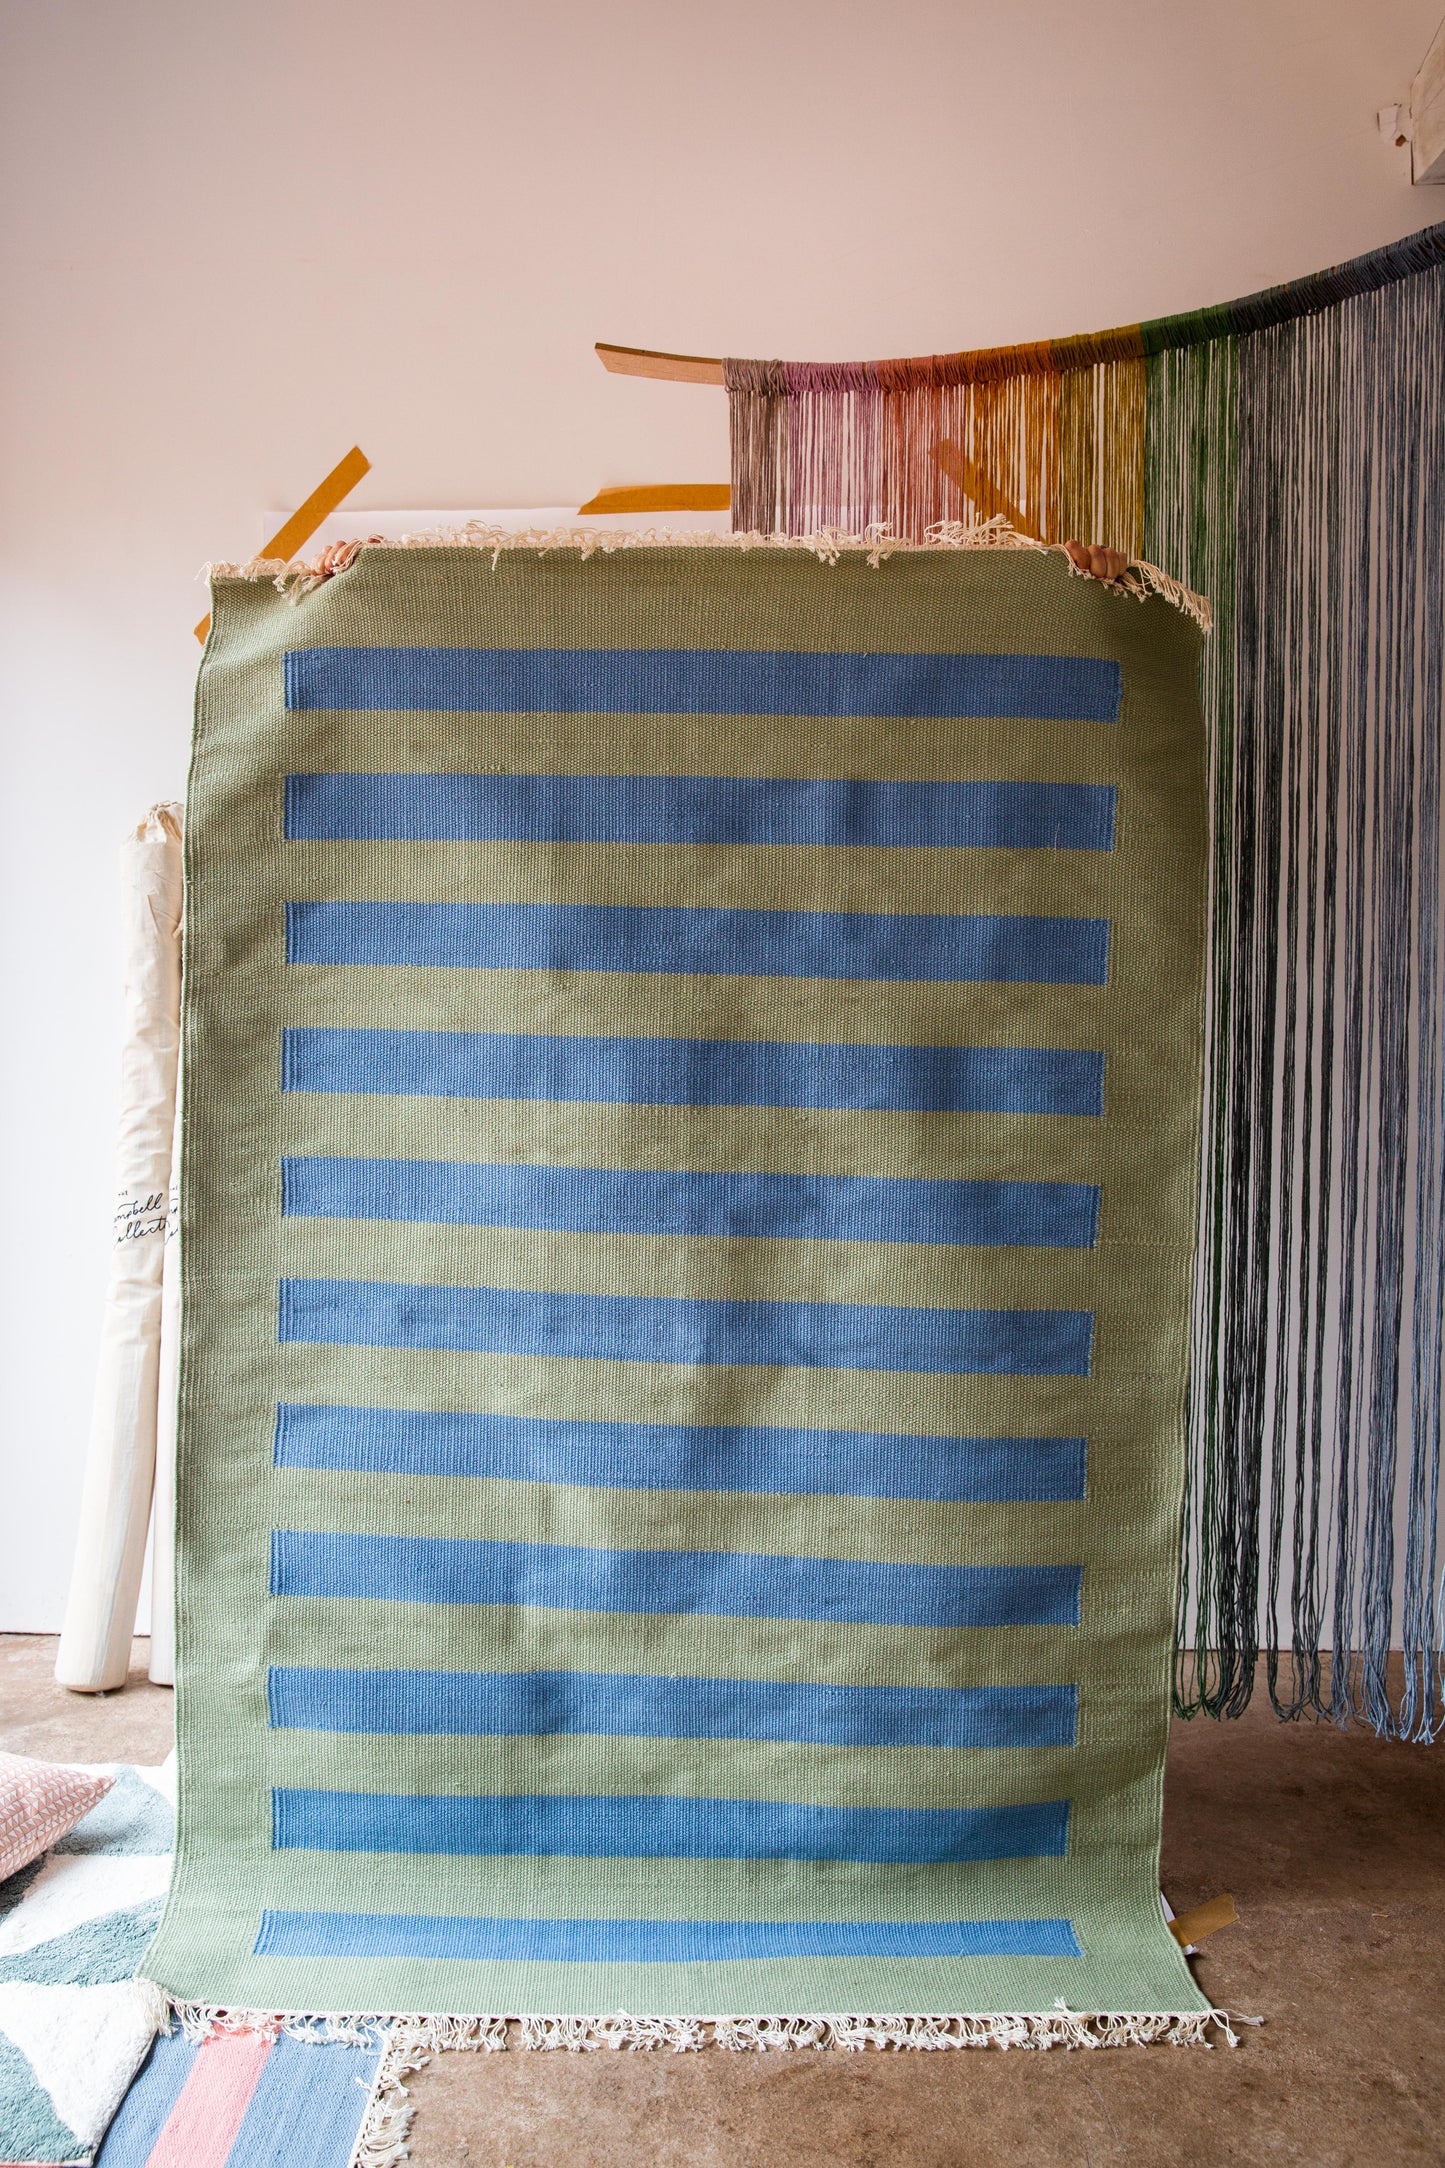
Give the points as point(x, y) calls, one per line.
point(1332, 1843)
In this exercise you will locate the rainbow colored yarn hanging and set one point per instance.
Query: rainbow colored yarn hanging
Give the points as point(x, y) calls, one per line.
point(1284, 454)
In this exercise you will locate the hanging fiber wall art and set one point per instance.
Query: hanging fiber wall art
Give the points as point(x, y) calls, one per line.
point(1285, 454)
point(692, 1096)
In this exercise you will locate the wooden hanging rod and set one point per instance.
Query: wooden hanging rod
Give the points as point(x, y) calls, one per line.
point(670, 368)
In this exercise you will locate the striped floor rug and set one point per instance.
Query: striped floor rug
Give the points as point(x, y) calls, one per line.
point(691, 1121)
point(244, 2100)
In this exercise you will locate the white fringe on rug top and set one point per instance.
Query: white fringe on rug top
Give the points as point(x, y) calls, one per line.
point(297, 578)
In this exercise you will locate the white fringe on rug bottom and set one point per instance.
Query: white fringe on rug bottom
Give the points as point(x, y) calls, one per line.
point(411, 2042)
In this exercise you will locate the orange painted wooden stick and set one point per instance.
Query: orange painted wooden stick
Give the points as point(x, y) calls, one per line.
point(307, 517)
point(1205, 1919)
point(668, 368)
point(988, 499)
point(662, 497)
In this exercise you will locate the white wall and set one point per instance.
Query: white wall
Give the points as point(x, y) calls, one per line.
point(238, 239)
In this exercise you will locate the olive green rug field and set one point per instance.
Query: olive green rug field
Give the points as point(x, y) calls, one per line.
point(690, 1186)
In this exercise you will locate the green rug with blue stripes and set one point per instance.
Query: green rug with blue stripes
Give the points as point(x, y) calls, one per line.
point(692, 1102)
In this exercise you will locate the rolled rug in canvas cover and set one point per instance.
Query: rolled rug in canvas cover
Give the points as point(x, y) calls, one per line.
point(94, 1651)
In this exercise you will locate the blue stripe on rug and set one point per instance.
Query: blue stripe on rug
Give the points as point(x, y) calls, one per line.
point(695, 1072)
point(702, 681)
point(308, 2105)
point(612, 1200)
point(610, 1704)
point(353, 808)
point(145, 2110)
point(680, 1456)
point(893, 945)
point(650, 1942)
point(547, 1825)
point(676, 1329)
point(712, 1584)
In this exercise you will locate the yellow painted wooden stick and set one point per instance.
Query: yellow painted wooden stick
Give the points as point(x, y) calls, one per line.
point(307, 517)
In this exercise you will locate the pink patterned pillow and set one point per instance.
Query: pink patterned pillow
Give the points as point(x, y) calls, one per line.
point(39, 1802)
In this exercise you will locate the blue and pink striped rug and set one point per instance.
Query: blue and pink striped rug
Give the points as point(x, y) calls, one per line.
point(244, 2100)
